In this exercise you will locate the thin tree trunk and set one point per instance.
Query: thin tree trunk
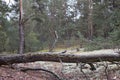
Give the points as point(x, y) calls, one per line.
point(21, 30)
point(90, 23)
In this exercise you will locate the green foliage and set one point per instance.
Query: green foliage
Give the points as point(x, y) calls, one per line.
point(13, 39)
point(57, 15)
point(3, 8)
point(98, 43)
point(80, 35)
point(32, 43)
point(3, 41)
point(115, 37)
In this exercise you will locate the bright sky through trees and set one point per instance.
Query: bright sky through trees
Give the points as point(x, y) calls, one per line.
point(9, 1)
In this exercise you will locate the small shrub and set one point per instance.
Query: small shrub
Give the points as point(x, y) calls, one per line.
point(98, 43)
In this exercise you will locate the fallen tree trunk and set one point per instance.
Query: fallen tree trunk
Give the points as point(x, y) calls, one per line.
point(57, 57)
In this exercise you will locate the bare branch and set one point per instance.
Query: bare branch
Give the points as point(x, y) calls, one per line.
point(55, 41)
point(36, 69)
point(27, 18)
point(83, 71)
point(106, 70)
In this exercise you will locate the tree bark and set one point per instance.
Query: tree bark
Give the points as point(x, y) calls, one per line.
point(21, 30)
point(57, 57)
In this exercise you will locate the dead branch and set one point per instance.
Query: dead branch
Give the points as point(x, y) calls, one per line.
point(27, 19)
point(106, 70)
point(55, 41)
point(83, 72)
point(24, 69)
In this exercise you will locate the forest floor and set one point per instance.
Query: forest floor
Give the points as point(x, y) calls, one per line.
point(66, 71)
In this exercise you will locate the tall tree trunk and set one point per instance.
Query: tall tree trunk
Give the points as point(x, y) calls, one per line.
point(21, 30)
point(90, 23)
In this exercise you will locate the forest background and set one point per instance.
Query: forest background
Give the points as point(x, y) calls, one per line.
point(88, 24)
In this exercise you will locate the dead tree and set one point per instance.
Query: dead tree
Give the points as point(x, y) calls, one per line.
point(56, 57)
